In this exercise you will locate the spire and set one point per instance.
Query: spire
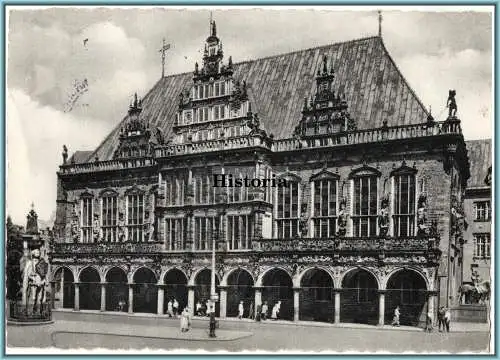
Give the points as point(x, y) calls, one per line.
point(380, 23)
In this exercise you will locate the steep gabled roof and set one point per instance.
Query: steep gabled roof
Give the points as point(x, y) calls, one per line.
point(480, 157)
point(364, 71)
point(80, 157)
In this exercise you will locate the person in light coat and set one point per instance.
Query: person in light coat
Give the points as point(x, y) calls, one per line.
point(185, 320)
point(240, 310)
point(274, 313)
point(447, 319)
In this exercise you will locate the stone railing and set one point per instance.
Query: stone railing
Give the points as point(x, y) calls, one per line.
point(212, 145)
point(371, 135)
point(107, 248)
point(106, 165)
point(348, 244)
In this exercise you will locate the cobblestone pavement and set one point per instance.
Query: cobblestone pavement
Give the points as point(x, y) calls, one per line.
point(89, 331)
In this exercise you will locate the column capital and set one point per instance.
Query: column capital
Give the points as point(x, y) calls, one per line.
point(223, 287)
point(337, 290)
point(432, 292)
point(190, 286)
point(382, 292)
point(259, 288)
point(297, 288)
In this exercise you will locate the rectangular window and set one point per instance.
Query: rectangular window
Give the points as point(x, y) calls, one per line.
point(175, 233)
point(325, 208)
point(135, 218)
point(222, 88)
point(204, 190)
point(205, 229)
point(404, 205)
point(109, 219)
point(87, 215)
point(364, 217)
point(482, 246)
point(482, 210)
point(239, 230)
point(175, 187)
point(288, 211)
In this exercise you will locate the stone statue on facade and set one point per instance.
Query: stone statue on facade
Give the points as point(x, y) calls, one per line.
point(34, 279)
point(75, 225)
point(458, 222)
point(96, 228)
point(342, 219)
point(121, 227)
point(422, 229)
point(65, 154)
point(451, 104)
point(383, 219)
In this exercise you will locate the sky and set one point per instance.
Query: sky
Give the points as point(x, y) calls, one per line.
point(46, 53)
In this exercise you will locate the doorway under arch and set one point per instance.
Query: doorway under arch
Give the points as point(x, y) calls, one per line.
point(406, 289)
point(278, 286)
point(90, 289)
point(317, 299)
point(202, 289)
point(145, 291)
point(116, 290)
point(64, 296)
point(175, 288)
point(240, 288)
point(359, 298)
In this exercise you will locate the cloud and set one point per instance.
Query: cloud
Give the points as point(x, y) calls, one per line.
point(35, 135)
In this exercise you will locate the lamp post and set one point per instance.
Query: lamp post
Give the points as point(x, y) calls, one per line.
point(217, 234)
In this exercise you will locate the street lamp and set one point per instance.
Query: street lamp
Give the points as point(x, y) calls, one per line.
point(216, 235)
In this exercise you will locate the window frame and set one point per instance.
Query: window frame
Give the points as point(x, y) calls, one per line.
point(318, 221)
point(292, 222)
point(370, 173)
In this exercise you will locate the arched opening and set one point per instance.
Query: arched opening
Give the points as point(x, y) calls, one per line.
point(116, 290)
point(175, 288)
point(240, 288)
point(278, 286)
point(90, 289)
point(145, 291)
point(317, 299)
point(64, 295)
point(359, 298)
point(406, 289)
point(202, 289)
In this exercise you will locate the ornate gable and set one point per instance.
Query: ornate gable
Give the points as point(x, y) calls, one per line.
point(364, 170)
point(324, 175)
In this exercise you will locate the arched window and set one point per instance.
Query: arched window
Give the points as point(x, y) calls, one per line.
point(135, 215)
point(287, 207)
point(87, 213)
point(109, 215)
point(404, 201)
point(365, 201)
point(324, 215)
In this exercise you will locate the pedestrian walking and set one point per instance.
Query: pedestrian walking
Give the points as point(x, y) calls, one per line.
point(428, 322)
point(251, 314)
point(264, 310)
point(395, 320)
point(447, 319)
point(176, 307)
point(198, 308)
point(274, 312)
point(207, 305)
point(170, 308)
point(185, 320)
point(241, 309)
point(441, 313)
point(278, 309)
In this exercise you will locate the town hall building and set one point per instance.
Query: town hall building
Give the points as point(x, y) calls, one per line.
point(365, 213)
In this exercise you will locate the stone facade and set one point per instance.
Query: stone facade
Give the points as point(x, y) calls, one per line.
point(367, 223)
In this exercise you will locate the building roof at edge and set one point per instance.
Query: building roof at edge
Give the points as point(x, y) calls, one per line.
point(480, 157)
point(374, 87)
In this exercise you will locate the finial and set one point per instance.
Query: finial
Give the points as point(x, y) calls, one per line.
point(230, 61)
point(32, 206)
point(380, 23)
point(135, 100)
point(325, 71)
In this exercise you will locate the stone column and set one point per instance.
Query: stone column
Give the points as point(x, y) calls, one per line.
point(191, 299)
point(61, 295)
point(223, 301)
point(381, 307)
point(161, 299)
point(77, 296)
point(258, 297)
point(103, 296)
point(296, 304)
point(52, 295)
point(130, 298)
point(337, 306)
point(431, 298)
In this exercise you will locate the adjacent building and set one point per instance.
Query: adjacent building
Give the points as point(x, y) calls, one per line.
point(365, 215)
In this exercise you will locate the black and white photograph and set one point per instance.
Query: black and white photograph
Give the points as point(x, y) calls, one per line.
point(249, 180)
